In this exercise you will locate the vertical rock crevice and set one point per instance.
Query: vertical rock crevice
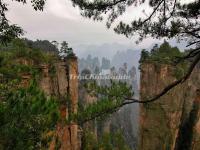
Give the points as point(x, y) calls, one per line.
point(66, 90)
point(185, 137)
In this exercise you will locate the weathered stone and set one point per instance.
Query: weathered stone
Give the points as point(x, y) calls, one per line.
point(63, 87)
point(160, 121)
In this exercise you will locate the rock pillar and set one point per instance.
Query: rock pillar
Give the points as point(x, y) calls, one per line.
point(72, 66)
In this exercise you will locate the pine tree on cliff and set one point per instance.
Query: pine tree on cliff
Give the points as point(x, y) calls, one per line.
point(65, 50)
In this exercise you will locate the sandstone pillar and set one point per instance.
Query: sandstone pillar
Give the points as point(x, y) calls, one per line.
point(66, 135)
point(45, 82)
point(72, 65)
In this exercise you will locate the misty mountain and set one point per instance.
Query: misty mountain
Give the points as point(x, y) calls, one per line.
point(110, 49)
point(104, 50)
point(131, 57)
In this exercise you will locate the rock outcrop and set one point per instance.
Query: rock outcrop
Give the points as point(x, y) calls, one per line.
point(66, 89)
point(56, 82)
point(173, 119)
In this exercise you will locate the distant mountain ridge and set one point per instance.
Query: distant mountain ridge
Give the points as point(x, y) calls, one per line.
point(110, 49)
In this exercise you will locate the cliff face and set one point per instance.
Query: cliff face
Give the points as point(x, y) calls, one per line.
point(56, 82)
point(164, 123)
point(63, 87)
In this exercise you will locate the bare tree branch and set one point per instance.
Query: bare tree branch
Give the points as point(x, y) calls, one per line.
point(192, 43)
point(98, 6)
point(191, 54)
point(154, 11)
point(172, 12)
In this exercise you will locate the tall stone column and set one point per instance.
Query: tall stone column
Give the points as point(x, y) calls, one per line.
point(66, 135)
point(45, 82)
point(72, 65)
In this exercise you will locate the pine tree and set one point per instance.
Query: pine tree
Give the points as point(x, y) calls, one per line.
point(65, 50)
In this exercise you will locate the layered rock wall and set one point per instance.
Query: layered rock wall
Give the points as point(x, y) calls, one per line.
point(65, 89)
point(161, 121)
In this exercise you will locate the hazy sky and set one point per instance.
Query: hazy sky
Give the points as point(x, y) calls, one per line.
point(61, 21)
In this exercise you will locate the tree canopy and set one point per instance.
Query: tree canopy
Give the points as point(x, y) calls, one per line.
point(169, 18)
point(65, 50)
point(9, 31)
point(165, 53)
point(27, 116)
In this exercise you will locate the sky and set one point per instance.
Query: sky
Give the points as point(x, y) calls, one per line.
point(61, 21)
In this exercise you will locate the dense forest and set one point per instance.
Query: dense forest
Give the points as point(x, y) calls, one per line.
point(26, 113)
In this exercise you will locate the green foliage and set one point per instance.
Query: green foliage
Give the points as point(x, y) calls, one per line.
point(16, 59)
point(57, 144)
point(163, 54)
point(26, 116)
point(10, 31)
point(65, 50)
point(43, 45)
point(109, 100)
point(180, 70)
point(18, 48)
point(52, 71)
point(167, 18)
point(144, 56)
point(89, 141)
point(108, 141)
point(8, 87)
